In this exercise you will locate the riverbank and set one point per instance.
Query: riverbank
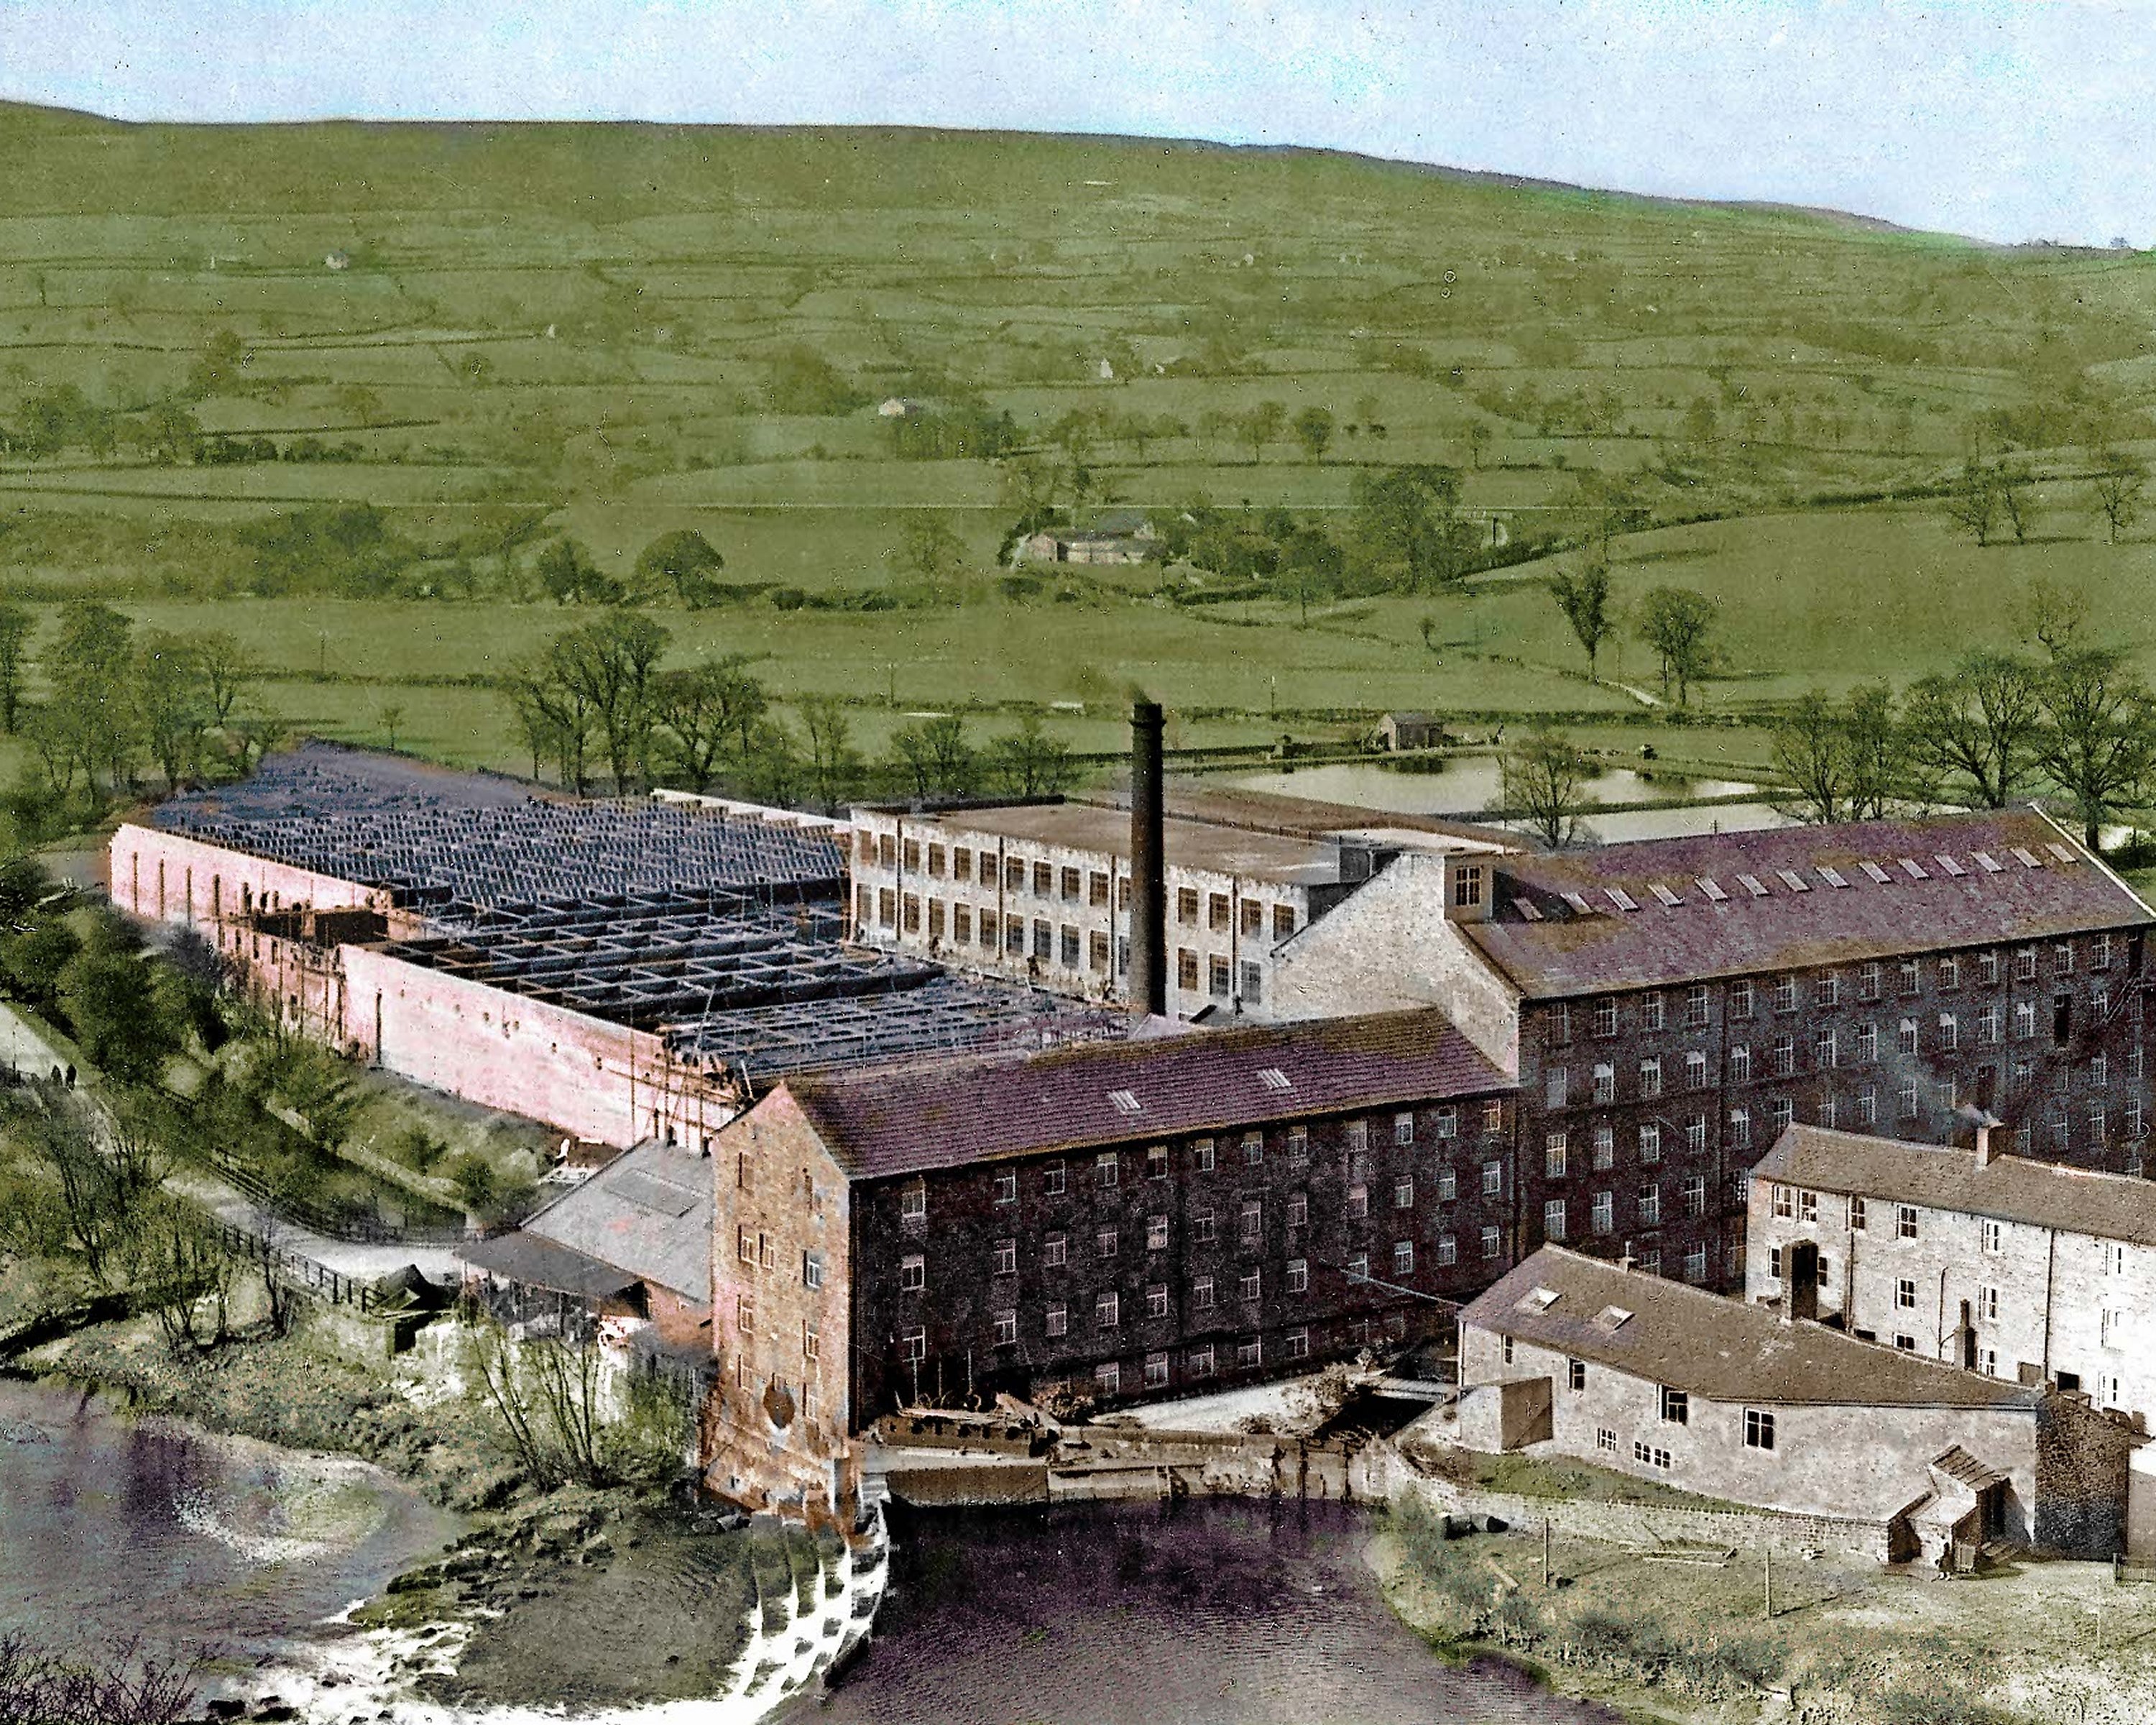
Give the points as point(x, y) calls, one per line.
point(1692, 1642)
point(603, 1599)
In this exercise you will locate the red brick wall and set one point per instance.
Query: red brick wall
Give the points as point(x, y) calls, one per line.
point(680, 1323)
point(198, 880)
point(591, 1078)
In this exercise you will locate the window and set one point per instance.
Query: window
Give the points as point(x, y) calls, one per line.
point(1493, 1111)
point(1740, 1129)
point(1251, 1224)
point(1186, 970)
point(1403, 1257)
point(912, 904)
point(912, 1273)
point(1605, 1082)
point(1575, 1375)
point(1949, 973)
point(1006, 1327)
point(1905, 1221)
point(1006, 1257)
point(1051, 1180)
point(1606, 1016)
point(744, 1243)
point(1493, 1179)
point(1107, 1169)
point(1695, 1070)
point(1604, 1213)
point(1677, 1406)
point(936, 856)
point(1906, 1037)
point(1696, 1264)
point(1650, 1077)
point(1857, 1215)
point(1105, 1242)
point(1201, 1155)
point(1204, 1228)
point(1695, 1011)
point(1741, 1000)
point(1298, 1209)
point(1493, 1242)
point(1826, 989)
point(1824, 1050)
point(1217, 911)
point(1553, 1087)
point(1905, 1099)
point(1867, 980)
point(1987, 1304)
point(1605, 1440)
point(1554, 1220)
point(746, 1315)
point(1358, 1267)
point(2025, 1019)
point(1250, 1354)
point(1218, 978)
point(1298, 1343)
point(1785, 993)
point(1096, 952)
point(1057, 1320)
point(1254, 1149)
point(2114, 1259)
point(1298, 1276)
point(1650, 1144)
point(1055, 1251)
point(1949, 1033)
point(1006, 1184)
point(1156, 1233)
point(1695, 1195)
point(1808, 1207)
point(1910, 979)
point(1201, 1293)
point(1553, 1156)
point(1907, 1344)
point(1651, 1012)
point(1740, 1063)
point(1298, 1144)
point(1696, 1134)
point(962, 924)
point(913, 1204)
point(1779, 1113)
point(1650, 1205)
point(1605, 1146)
point(1156, 1300)
point(1758, 1430)
point(1108, 1377)
point(1447, 1249)
point(1784, 1056)
point(1107, 1311)
point(2025, 965)
point(1904, 1294)
point(1404, 1193)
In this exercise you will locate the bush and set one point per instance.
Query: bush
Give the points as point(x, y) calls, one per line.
point(418, 1149)
point(474, 1177)
point(788, 599)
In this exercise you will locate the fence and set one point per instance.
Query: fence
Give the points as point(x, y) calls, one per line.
point(297, 1270)
point(352, 1231)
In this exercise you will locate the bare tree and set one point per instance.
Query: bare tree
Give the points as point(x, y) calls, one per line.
point(1543, 779)
point(2099, 735)
point(1972, 503)
point(1811, 758)
point(2120, 479)
point(1978, 727)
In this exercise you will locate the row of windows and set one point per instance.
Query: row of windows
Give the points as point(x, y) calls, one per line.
point(1647, 1208)
point(1787, 992)
point(1203, 1361)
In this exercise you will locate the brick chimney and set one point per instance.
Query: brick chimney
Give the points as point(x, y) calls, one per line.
point(1149, 977)
point(1985, 1122)
point(1800, 1280)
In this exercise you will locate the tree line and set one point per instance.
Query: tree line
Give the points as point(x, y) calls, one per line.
point(598, 699)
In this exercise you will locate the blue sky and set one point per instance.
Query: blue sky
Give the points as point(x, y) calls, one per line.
point(2006, 118)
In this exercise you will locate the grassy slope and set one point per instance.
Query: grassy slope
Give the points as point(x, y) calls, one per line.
point(628, 287)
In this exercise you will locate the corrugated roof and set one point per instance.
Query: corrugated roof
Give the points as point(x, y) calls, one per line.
point(2011, 1188)
point(908, 1119)
point(647, 1213)
point(1718, 1348)
point(1811, 895)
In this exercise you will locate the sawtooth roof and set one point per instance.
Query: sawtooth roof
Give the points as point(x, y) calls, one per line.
point(648, 1213)
point(1657, 912)
point(1717, 1348)
point(2009, 1188)
point(910, 1119)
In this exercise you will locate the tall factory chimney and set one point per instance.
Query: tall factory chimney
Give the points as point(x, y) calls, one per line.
point(1149, 977)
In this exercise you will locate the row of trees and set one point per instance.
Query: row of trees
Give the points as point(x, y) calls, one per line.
point(1998, 729)
point(1988, 500)
point(1675, 624)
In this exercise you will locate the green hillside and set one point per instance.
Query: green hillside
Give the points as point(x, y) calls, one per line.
point(497, 334)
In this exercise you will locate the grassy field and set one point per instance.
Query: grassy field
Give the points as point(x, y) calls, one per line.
point(603, 331)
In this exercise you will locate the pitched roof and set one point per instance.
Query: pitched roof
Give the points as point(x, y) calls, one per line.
point(539, 1263)
point(1669, 909)
point(648, 1213)
point(910, 1119)
point(2011, 1188)
point(1717, 1348)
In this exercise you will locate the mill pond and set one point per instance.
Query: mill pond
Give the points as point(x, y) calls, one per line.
point(113, 1529)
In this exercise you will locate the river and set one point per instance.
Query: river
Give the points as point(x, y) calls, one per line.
point(114, 1529)
point(1219, 1613)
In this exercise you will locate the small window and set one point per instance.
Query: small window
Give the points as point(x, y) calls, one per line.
point(1677, 1406)
point(912, 1273)
point(1759, 1429)
point(1575, 1375)
point(1052, 1180)
point(1905, 1221)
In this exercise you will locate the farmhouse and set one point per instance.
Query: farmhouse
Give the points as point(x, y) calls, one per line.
point(1572, 1356)
point(1119, 538)
point(2020, 1270)
point(1135, 1218)
point(1409, 731)
point(1670, 1007)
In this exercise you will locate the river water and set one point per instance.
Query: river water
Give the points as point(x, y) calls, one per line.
point(114, 1529)
point(1218, 1613)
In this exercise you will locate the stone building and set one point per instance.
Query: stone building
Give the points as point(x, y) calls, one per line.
point(1138, 1219)
point(1040, 892)
point(2022, 1270)
point(1574, 1357)
point(1669, 1006)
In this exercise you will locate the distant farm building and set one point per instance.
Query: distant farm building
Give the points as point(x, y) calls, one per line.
point(1123, 538)
point(337, 260)
point(1410, 730)
point(900, 406)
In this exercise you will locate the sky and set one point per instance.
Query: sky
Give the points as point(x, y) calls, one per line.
point(2006, 119)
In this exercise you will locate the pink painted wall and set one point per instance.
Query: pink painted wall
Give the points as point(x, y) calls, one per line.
point(174, 878)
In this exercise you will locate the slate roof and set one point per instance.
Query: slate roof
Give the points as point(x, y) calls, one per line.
point(911, 1119)
point(537, 1263)
point(1720, 1349)
point(2012, 1189)
point(1937, 892)
point(648, 1213)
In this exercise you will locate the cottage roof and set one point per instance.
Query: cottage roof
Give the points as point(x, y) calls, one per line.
point(647, 1213)
point(2009, 1188)
point(950, 1114)
point(1411, 718)
point(1663, 910)
point(537, 1263)
point(1720, 1349)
